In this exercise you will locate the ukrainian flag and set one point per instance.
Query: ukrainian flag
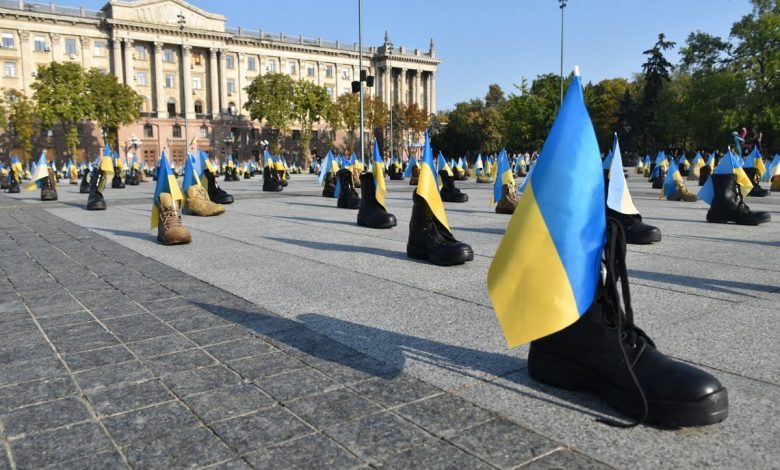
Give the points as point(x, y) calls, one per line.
point(409, 165)
point(670, 182)
point(504, 177)
point(378, 168)
point(478, 165)
point(107, 162)
point(16, 165)
point(607, 160)
point(754, 160)
point(698, 162)
point(546, 269)
point(166, 183)
point(618, 197)
point(327, 166)
point(730, 163)
point(682, 161)
point(441, 164)
point(427, 188)
point(190, 177)
point(40, 172)
point(711, 161)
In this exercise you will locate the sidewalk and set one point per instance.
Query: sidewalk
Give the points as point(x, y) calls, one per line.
point(285, 331)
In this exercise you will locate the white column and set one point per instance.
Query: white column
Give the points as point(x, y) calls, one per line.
point(129, 71)
point(26, 65)
point(417, 100)
point(116, 59)
point(433, 92)
point(86, 52)
point(222, 80)
point(402, 92)
point(159, 80)
point(240, 56)
point(186, 63)
point(214, 83)
point(55, 43)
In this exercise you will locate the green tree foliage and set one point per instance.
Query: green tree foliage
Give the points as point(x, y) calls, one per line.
point(603, 100)
point(22, 115)
point(657, 71)
point(271, 97)
point(348, 106)
point(311, 103)
point(113, 104)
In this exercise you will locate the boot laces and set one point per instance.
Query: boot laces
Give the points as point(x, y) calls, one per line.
point(621, 317)
point(170, 217)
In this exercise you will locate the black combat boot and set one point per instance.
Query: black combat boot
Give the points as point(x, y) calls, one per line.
point(658, 181)
point(49, 188)
point(395, 172)
point(728, 206)
point(755, 178)
point(430, 240)
point(704, 173)
point(652, 168)
point(269, 182)
point(348, 197)
point(13, 185)
point(329, 190)
point(133, 178)
point(448, 192)
point(116, 181)
point(605, 353)
point(637, 232)
point(371, 214)
point(84, 188)
point(216, 194)
point(96, 185)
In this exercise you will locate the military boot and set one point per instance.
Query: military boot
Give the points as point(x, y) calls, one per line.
point(755, 178)
point(348, 197)
point(270, 183)
point(605, 353)
point(508, 201)
point(281, 177)
point(216, 194)
point(84, 187)
point(13, 185)
point(49, 188)
point(694, 173)
point(637, 232)
point(448, 192)
point(356, 177)
point(198, 203)
point(415, 176)
point(97, 183)
point(728, 206)
point(682, 193)
point(372, 214)
point(430, 240)
point(170, 230)
point(329, 189)
point(704, 173)
point(116, 181)
point(658, 181)
point(484, 178)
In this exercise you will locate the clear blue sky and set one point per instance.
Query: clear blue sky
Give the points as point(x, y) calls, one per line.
point(493, 41)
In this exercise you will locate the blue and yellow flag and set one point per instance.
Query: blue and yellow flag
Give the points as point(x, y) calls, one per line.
point(670, 181)
point(166, 183)
point(441, 164)
point(698, 162)
point(16, 166)
point(607, 160)
point(754, 160)
point(711, 161)
point(547, 267)
point(683, 162)
point(378, 168)
point(190, 178)
point(409, 165)
point(504, 176)
point(328, 165)
point(618, 197)
point(426, 185)
point(479, 168)
point(107, 162)
point(730, 163)
point(40, 171)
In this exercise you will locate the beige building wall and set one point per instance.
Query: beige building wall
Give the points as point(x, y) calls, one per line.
point(192, 70)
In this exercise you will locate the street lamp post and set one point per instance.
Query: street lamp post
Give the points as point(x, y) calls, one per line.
point(357, 85)
point(563, 5)
point(182, 21)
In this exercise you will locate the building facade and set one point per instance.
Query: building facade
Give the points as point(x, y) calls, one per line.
point(191, 69)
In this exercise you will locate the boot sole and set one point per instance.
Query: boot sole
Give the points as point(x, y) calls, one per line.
point(560, 373)
point(713, 220)
point(464, 256)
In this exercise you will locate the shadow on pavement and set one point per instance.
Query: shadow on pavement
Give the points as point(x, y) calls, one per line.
point(339, 247)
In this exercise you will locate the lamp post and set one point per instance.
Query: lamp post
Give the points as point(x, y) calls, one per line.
point(562, 6)
point(182, 21)
point(357, 85)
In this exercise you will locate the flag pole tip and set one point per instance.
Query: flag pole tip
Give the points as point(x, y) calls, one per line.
point(576, 70)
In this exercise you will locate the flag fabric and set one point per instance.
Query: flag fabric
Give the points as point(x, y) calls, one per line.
point(107, 162)
point(607, 160)
point(524, 184)
point(670, 181)
point(441, 164)
point(40, 172)
point(503, 176)
point(618, 197)
point(711, 161)
point(16, 166)
point(166, 183)
point(409, 165)
point(378, 168)
point(190, 178)
point(683, 162)
point(327, 166)
point(772, 170)
point(730, 163)
point(547, 267)
point(478, 165)
point(698, 162)
point(426, 185)
point(754, 160)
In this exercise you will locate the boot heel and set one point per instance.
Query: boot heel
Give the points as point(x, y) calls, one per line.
point(552, 371)
point(416, 252)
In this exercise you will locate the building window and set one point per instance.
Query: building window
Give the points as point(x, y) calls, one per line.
point(329, 89)
point(70, 46)
point(148, 131)
point(255, 133)
point(168, 55)
point(251, 63)
point(169, 80)
point(140, 53)
point(40, 44)
point(232, 108)
point(346, 73)
point(176, 131)
point(199, 107)
point(231, 85)
point(296, 134)
point(291, 67)
point(310, 70)
point(140, 78)
point(328, 71)
point(197, 83)
point(230, 61)
point(100, 49)
point(8, 40)
point(197, 58)
point(9, 69)
point(171, 107)
point(270, 65)
point(204, 132)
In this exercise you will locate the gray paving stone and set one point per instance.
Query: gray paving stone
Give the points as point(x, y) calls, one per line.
point(149, 424)
point(565, 460)
point(378, 436)
point(332, 407)
point(260, 430)
point(190, 448)
point(201, 322)
point(311, 451)
point(228, 402)
point(503, 443)
point(130, 397)
point(200, 380)
point(444, 415)
point(24, 325)
point(353, 369)
point(37, 349)
point(156, 306)
point(44, 416)
point(80, 337)
point(435, 454)
point(296, 384)
point(16, 396)
point(235, 464)
point(137, 327)
point(239, 349)
point(217, 335)
point(161, 345)
point(253, 368)
point(101, 461)
point(394, 391)
point(97, 358)
point(66, 319)
point(114, 375)
point(60, 445)
point(180, 361)
point(30, 370)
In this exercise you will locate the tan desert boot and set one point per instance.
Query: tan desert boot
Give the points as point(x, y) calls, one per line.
point(508, 201)
point(170, 230)
point(198, 203)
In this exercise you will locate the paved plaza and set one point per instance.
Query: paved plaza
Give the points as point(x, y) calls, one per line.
point(286, 336)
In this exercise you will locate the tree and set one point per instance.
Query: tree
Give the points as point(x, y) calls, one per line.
point(61, 94)
point(377, 116)
point(270, 97)
point(703, 52)
point(400, 125)
point(348, 106)
point(416, 123)
point(113, 104)
point(495, 97)
point(603, 102)
point(656, 72)
point(22, 115)
point(311, 103)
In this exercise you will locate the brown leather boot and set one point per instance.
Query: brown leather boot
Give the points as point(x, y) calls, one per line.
point(198, 203)
point(170, 230)
point(508, 201)
point(682, 194)
point(356, 177)
point(415, 176)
